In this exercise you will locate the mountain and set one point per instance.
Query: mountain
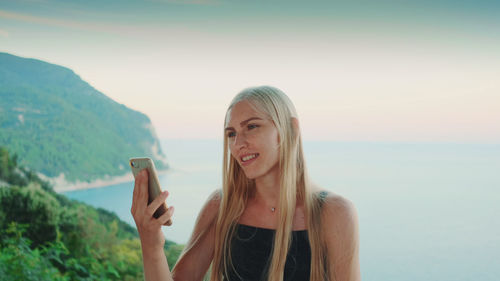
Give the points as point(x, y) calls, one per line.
point(59, 124)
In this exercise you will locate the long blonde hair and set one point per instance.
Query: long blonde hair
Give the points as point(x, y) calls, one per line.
point(237, 188)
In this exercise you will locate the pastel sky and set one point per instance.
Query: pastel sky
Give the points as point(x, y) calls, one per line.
point(412, 71)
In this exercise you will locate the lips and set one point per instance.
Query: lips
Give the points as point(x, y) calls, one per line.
point(246, 159)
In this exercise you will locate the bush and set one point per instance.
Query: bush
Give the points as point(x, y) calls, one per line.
point(46, 236)
point(19, 262)
point(33, 206)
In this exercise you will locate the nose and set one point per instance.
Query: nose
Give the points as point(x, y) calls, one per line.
point(240, 141)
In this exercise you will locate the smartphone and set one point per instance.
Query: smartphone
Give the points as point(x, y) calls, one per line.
point(137, 165)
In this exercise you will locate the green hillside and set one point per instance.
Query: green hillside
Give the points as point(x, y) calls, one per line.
point(45, 236)
point(57, 123)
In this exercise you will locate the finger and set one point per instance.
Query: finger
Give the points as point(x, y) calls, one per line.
point(166, 218)
point(142, 179)
point(135, 195)
point(151, 209)
point(141, 189)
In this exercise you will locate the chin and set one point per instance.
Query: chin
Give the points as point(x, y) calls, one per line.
point(251, 175)
point(257, 172)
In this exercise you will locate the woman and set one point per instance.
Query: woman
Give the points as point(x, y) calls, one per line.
point(268, 222)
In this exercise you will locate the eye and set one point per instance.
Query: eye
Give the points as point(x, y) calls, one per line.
point(230, 134)
point(252, 126)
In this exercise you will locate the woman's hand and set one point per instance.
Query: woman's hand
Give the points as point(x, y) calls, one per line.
point(149, 228)
point(152, 238)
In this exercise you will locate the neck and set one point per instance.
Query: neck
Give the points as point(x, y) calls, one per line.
point(267, 190)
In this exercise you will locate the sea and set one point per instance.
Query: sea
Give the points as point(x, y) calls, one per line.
point(427, 211)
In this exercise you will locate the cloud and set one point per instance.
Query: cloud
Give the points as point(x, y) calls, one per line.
point(161, 33)
point(43, 20)
point(130, 30)
point(36, 1)
point(189, 2)
point(96, 27)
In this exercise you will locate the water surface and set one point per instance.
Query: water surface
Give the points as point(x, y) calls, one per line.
point(426, 211)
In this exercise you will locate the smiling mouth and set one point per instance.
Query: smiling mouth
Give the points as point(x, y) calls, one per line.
point(249, 157)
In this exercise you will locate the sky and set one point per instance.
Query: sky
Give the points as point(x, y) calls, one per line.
point(390, 71)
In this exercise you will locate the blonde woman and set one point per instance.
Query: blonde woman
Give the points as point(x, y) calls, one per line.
point(268, 222)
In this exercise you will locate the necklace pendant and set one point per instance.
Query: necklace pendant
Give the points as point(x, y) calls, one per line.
point(272, 209)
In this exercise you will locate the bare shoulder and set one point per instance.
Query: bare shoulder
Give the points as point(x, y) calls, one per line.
point(215, 197)
point(197, 255)
point(339, 222)
point(204, 226)
point(211, 207)
point(337, 211)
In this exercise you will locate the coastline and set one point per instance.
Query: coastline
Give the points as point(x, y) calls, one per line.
point(60, 185)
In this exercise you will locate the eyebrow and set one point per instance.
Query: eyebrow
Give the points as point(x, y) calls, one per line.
point(243, 123)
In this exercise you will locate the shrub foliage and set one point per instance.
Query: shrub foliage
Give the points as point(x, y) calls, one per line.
point(46, 236)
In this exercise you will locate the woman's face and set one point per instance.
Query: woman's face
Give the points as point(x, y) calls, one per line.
point(253, 140)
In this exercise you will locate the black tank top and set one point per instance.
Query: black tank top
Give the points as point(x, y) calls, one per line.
point(251, 253)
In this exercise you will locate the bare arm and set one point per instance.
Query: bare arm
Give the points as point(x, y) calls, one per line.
point(149, 228)
point(341, 234)
point(198, 253)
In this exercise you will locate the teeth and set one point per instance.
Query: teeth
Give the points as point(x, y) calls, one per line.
point(246, 158)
